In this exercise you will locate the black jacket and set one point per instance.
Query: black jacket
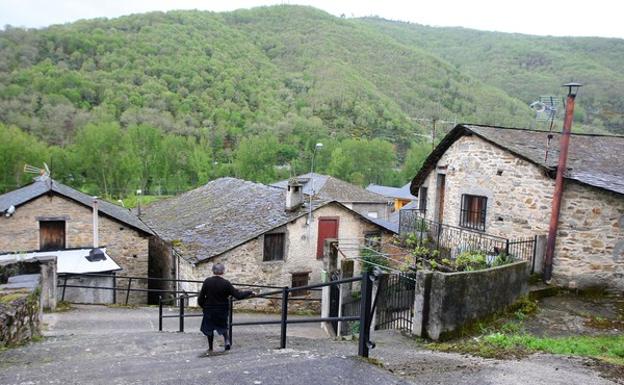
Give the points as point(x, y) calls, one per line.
point(216, 290)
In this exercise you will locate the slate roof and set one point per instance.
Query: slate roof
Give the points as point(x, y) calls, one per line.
point(329, 188)
point(392, 192)
point(593, 159)
point(40, 187)
point(222, 215)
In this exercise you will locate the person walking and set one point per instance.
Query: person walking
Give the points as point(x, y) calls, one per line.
point(213, 299)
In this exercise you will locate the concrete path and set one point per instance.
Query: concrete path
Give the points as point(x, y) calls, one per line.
point(101, 345)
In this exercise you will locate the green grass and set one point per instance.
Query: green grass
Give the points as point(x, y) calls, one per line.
point(132, 201)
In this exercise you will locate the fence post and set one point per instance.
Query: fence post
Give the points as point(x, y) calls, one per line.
point(114, 288)
point(181, 314)
point(64, 287)
point(533, 254)
point(365, 316)
point(507, 246)
point(284, 317)
point(230, 318)
point(160, 313)
point(438, 236)
point(128, 290)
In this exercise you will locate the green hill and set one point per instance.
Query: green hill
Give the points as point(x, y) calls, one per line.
point(277, 79)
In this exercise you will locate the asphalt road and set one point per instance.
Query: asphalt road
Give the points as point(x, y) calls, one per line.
point(100, 345)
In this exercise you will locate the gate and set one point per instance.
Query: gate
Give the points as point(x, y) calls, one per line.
point(395, 302)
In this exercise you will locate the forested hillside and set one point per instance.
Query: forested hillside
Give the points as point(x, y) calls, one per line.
point(166, 101)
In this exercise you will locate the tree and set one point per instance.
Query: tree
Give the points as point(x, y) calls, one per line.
point(361, 161)
point(414, 160)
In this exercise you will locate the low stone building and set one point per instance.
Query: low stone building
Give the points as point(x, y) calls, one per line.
point(328, 188)
point(47, 215)
point(263, 234)
point(500, 181)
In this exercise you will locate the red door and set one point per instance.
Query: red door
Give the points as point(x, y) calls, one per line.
point(327, 229)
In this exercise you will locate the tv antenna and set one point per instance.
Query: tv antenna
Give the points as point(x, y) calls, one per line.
point(42, 173)
point(546, 108)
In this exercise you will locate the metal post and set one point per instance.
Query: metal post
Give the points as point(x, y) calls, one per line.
point(506, 246)
point(115, 288)
point(439, 234)
point(564, 145)
point(365, 316)
point(160, 315)
point(181, 314)
point(533, 255)
point(284, 317)
point(128, 290)
point(230, 318)
point(64, 287)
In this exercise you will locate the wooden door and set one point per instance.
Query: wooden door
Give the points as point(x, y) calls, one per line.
point(441, 189)
point(327, 229)
point(51, 235)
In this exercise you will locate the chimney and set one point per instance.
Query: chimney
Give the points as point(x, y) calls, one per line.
point(96, 230)
point(294, 195)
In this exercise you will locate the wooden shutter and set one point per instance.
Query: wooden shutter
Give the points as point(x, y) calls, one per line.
point(51, 235)
point(327, 229)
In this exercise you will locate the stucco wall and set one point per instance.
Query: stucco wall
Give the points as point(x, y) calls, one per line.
point(590, 246)
point(127, 246)
point(244, 264)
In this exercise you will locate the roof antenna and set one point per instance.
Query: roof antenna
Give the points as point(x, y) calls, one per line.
point(546, 108)
point(43, 174)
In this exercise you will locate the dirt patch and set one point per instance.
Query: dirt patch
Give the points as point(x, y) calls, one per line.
point(567, 314)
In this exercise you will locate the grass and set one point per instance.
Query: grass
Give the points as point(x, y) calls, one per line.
point(132, 201)
point(8, 298)
point(505, 337)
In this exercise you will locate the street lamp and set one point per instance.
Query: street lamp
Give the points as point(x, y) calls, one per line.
point(317, 147)
point(564, 144)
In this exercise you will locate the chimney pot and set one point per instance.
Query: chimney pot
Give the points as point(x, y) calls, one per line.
point(294, 194)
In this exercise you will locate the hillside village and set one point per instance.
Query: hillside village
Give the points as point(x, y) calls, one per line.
point(499, 237)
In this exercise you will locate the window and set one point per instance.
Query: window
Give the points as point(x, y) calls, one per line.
point(422, 200)
point(51, 235)
point(274, 247)
point(373, 240)
point(300, 279)
point(473, 209)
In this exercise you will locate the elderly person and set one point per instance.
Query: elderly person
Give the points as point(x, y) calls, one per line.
point(213, 299)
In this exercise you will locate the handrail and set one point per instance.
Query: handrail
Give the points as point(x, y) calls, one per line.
point(364, 318)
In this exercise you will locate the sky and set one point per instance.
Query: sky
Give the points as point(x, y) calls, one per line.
point(547, 17)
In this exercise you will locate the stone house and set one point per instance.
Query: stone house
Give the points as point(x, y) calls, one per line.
point(354, 197)
point(47, 216)
point(263, 234)
point(500, 181)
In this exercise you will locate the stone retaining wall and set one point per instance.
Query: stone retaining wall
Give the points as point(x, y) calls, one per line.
point(446, 302)
point(20, 311)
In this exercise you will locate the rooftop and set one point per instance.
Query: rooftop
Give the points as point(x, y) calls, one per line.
point(392, 192)
point(329, 188)
point(40, 187)
point(68, 261)
point(594, 160)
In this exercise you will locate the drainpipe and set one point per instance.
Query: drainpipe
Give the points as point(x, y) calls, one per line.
point(96, 231)
point(558, 193)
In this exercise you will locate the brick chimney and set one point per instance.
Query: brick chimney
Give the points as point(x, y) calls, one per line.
point(294, 194)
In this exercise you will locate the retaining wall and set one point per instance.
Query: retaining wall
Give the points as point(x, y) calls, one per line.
point(446, 302)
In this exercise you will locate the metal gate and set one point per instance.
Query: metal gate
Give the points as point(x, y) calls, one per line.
point(395, 302)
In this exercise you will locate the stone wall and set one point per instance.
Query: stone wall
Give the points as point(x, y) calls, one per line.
point(590, 246)
point(446, 302)
point(244, 264)
point(20, 310)
point(127, 246)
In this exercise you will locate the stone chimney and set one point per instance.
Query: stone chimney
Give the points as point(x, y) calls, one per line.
point(294, 194)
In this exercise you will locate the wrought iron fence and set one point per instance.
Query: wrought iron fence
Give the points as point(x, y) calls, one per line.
point(395, 302)
point(451, 241)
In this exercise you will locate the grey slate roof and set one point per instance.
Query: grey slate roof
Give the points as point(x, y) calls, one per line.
point(36, 189)
point(329, 188)
point(594, 160)
point(222, 215)
point(392, 192)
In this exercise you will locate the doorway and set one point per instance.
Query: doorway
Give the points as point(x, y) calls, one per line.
point(51, 235)
point(440, 188)
point(327, 229)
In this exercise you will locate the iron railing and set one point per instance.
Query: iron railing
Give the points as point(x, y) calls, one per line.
point(364, 318)
point(451, 241)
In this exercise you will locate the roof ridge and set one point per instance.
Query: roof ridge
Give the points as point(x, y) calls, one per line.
point(610, 135)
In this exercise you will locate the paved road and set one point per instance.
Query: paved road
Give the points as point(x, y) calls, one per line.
point(100, 345)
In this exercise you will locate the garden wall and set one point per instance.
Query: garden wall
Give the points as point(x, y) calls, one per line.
point(20, 309)
point(446, 302)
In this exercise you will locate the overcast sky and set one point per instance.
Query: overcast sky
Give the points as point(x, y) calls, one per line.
point(547, 17)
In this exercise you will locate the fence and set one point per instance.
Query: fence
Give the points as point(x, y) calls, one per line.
point(450, 241)
point(395, 302)
point(364, 318)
